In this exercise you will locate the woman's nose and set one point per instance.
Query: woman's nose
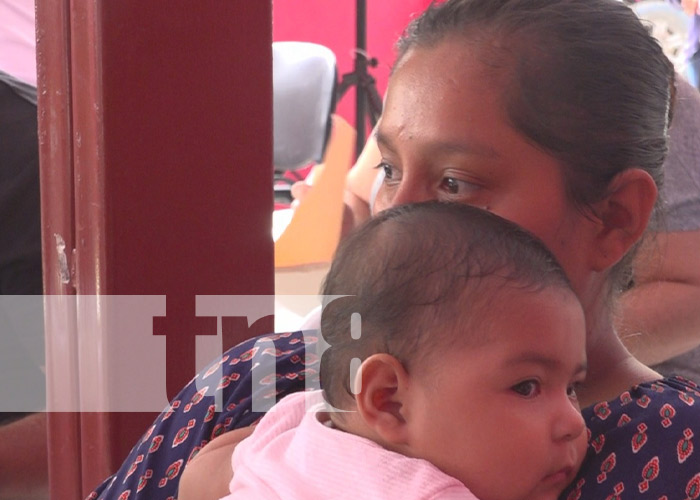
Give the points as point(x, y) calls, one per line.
point(411, 191)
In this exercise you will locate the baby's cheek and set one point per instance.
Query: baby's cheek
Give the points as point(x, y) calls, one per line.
point(582, 445)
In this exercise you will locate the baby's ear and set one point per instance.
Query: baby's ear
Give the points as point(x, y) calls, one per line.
point(382, 383)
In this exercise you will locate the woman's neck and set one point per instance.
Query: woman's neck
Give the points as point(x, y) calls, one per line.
point(611, 368)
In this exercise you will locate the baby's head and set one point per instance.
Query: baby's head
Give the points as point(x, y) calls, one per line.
point(471, 343)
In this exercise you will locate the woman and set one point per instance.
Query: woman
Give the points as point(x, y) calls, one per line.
point(553, 114)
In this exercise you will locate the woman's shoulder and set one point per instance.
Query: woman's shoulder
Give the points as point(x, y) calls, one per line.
point(662, 400)
point(647, 440)
point(658, 408)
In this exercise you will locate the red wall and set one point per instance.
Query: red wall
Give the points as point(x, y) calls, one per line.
point(161, 185)
point(332, 23)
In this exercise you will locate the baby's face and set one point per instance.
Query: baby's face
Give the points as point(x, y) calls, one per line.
point(503, 417)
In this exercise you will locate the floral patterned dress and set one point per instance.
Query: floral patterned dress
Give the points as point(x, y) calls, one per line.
point(642, 444)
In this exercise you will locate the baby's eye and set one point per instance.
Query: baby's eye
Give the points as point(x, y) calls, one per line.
point(527, 388)
point(571, 391)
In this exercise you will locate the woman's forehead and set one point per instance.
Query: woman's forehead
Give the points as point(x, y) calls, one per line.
point(457, 57)
point(475, 52)
point(443, 91)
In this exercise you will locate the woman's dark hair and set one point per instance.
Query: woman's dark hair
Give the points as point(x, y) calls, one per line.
point(411, 272)
point(583, 80)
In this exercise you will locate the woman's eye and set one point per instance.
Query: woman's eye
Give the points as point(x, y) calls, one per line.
point(451, 185)
point(388, 170)
point(528, 388)
point(455, 186)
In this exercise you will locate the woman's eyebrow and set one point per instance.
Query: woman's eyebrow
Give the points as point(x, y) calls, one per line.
point(383, 140)
point(473, 148)
point(444, 147)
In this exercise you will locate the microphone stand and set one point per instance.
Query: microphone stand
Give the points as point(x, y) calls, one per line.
point(368, 103)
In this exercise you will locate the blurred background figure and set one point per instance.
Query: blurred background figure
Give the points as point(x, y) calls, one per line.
point(690, 55)
point(18, 40)
point(23, 441)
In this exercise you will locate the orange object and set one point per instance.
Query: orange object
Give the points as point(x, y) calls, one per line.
point(314, 230)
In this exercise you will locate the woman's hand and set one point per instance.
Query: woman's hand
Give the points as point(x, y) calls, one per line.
point(355, 210)
point(358, 187)
point(208, 475)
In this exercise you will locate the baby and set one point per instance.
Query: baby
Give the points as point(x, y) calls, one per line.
point(471, 345)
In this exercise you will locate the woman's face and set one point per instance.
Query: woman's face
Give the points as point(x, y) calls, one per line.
point(444, 135)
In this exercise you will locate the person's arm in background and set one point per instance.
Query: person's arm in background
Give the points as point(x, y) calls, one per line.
point(659, 317)
point(359, 183)
point(690, 7)
point(24, 459)
point(361, 180)
point(660, 314)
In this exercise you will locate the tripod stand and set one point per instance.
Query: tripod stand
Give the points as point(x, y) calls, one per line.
point(368, 103)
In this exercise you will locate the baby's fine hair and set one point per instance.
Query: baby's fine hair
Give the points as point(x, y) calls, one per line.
point(411, 272)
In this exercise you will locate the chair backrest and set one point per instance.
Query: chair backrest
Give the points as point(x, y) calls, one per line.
point(304, 80)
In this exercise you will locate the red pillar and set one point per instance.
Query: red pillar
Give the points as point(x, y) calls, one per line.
point(156, 153)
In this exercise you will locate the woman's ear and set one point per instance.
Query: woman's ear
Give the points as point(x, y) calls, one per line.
point(382, 382)
point(624, 215)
